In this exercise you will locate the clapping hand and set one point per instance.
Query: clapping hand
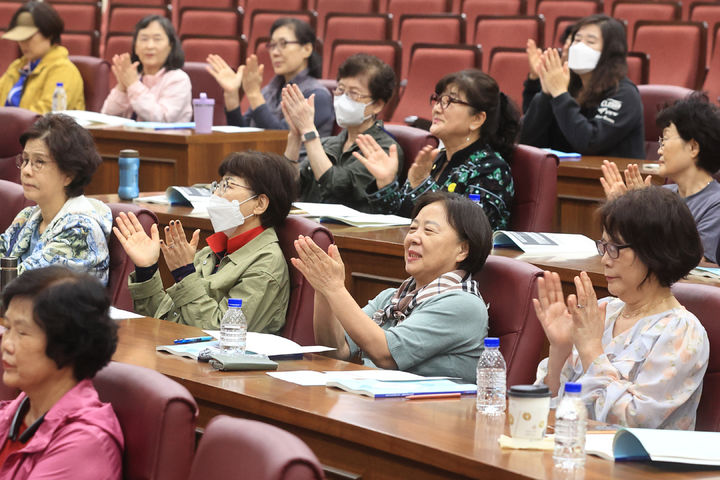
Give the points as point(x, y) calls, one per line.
point(177, 251)
point(125, 72)
point(381, 165)
point(143, 250)
point(299, 112)
point(552, 312)
point(554, 75)
point(253, 76)
point(228, 79)
point(533, 53)
point(588, 319)
point(422, 166)
point(324, 271)
point(613, 184)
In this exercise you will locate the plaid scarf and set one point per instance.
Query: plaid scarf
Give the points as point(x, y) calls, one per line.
point(408, 296)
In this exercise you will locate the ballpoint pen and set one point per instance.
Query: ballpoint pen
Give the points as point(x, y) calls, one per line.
point(192, 340)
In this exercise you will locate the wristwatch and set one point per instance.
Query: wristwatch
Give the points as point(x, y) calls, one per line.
point(312, 135)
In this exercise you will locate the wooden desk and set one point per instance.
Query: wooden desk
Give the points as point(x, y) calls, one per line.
point(174, 157)
point(378, 439)
point(579, 194)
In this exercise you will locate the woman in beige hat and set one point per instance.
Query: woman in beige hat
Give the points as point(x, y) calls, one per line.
point(29, 81)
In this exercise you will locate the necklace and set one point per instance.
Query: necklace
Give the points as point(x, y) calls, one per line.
point(643, 310)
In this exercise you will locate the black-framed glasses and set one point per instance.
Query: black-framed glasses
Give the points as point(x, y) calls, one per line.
point(352, 94)
point(223, 185)
point(612, 249)
point(445, 100)
point(281, 44)
point(36, 164)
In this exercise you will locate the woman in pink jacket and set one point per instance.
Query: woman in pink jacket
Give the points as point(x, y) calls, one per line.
point(151, 85)
point(58, 335)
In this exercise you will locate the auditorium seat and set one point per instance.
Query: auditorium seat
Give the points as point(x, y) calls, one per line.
point(561, 24)
point(362, 26)
point(704, 302)
point(508, 286)
point(638, 64)
point(116, 44)
point(398, 8)
point(120, 264)
point(197, 48)
point(252, 6)
point(507, 31)
point(9, 52)
point(676, 49)
point(654, 98)
point(633, 10)
point(551, 9)
point(299, 319)
point(387, 51)
point(205, 22)
point(441, 28)
point(712, 79)
point(428, 64)
point(81, 35)
point(411, 140)
point(13, 200)
point(534, 173)
point(157, 416)
point(14, 122)
point(95, 73)
point(248, 449)
point(326, 7)
point(483, 8)
point(509, 67)
point(179, 5)
point(203, 81)
point(708, 12)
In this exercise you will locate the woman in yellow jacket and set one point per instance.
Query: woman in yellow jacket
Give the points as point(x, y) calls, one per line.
point(30, 81)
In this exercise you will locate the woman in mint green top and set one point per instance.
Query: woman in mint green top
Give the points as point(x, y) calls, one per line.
point(435, 322)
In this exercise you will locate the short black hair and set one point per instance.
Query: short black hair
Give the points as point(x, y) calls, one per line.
point(304, 34)
point(71, 147)
point(266, 173)
point(468, 219)
point(660, 229)
point(696, 119)
point(45, 18)
point(72, 308)
point(380, 76)
point(176, 57)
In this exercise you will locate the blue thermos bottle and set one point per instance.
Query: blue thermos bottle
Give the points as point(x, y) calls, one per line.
point(129, 164)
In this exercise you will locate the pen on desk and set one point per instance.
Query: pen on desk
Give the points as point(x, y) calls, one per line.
point(192, 340)
point(429, 396)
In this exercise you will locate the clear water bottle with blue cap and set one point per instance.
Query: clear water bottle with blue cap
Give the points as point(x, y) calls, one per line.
point(570, 426)
point(59, 98)
point(491, 385)
point(233, 329)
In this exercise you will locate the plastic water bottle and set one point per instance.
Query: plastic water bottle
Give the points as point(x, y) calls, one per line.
point(491, 384)
point(129, 166)
point(233, 329)
point(570, 425)
point(59, 99)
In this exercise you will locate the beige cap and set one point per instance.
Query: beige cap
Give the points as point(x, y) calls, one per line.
point(24, 28)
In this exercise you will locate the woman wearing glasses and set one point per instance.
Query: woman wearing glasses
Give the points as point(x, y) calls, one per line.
point(640, 356)
point(689, 157)
point(242, 259)
point(65, 227)
point(477, 124)
point(294, 60)
point(587, 104)
point(330, 172)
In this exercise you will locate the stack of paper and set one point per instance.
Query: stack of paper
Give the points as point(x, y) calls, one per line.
point(341, 213)
point(546, 243)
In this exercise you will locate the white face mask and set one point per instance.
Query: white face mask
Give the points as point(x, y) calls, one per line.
point(582, 59)
point(348, 112)
point(225, 215)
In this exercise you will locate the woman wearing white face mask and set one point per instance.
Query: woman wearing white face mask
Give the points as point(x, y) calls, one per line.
point(330, 173)
point(587, 105)
point(242, 260)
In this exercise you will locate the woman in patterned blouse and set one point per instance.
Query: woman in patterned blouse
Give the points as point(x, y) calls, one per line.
point(477, 125)
point(640, 357)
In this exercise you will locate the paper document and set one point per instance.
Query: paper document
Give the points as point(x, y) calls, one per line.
point(90, 119)
point(118, 314)
point(382, 389)
point(680, 446)
point(273, 345)
point(545, 243)
point(234, 129)
point(350, 216)
point(313, 378)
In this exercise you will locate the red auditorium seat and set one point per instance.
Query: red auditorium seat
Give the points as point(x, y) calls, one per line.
point(95, 73)
point(387, 51)
point(676, 49)
point(232, 50)
point(180, 5)
point(551, 9)
point(509, 68)
point(633, 10)
point(654, 98)
point(14, 121)
point(204, 22)
point(507, 31)
point(638, 67)
point(363, 26)
point(534, 173)
point(326, 7)
point(443, 28)
point(482, 8)
point(712, 79)
point(251, 6)
point(708, 12)
point(398, 8)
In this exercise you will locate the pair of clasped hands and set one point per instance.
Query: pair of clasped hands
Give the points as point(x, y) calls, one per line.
point(549, 67)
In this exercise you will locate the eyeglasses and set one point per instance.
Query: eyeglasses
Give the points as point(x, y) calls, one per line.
point(445, 101)
point(352, 94)
point(36, 164)
point(223, 185)
point(281, 44)
point(612, 249)
point(661, 140)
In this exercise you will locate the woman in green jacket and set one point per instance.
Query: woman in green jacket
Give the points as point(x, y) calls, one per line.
point(242, 259)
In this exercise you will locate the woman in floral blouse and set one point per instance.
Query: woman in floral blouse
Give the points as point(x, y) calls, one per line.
point(640, 357)
point(477, 125)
